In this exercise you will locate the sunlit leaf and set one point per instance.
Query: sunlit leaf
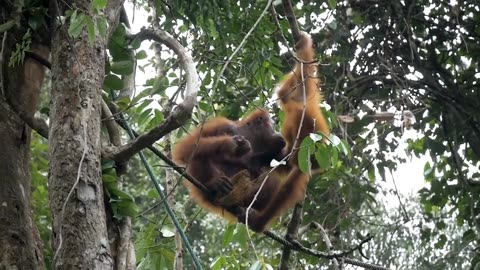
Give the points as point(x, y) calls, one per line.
point(99, 4)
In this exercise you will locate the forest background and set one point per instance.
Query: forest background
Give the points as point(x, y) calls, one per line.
point(400, 81)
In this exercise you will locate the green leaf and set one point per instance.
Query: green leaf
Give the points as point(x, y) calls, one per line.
point(99, 4)
point(345, 147)
point(469, 236)
point(218, 263)
point(228, 235)
point(141, 55)
point(107, 164)
point(307, 148)
point(183, 28)
point(212, 29)
point(109, 178)
point(357, 18)
point(335, 140)
point(371, 173)
point(160, 85)
point(123, 102)
point(156, 119)
point(441, 241)
point(322, 156)
point(112, 82)
point(76, 24)
point(35, 22)
point(241, 235)
point(122, 203)
point(143, 105)
point(204, 106)
point(144, 116)
point(135, 43)
point(102, 25)
point(90, 30)
point(334, 156)
point(332, 4)
point(122, 67)
point(122, 195)
point(124, 208)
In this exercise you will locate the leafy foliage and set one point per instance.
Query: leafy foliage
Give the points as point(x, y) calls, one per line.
point(392, 56)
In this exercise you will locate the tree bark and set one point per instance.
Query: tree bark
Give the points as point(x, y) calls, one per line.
point(20, 243)
point(80, 239)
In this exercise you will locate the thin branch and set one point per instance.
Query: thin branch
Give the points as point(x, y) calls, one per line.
point(241, 44)
point(332, 255)
point(327, 241)
point(292, 20)
point(111, 125)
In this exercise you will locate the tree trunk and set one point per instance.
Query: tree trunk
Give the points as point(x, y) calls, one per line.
point(80, 239)
point(20, 243)
point(19, 248)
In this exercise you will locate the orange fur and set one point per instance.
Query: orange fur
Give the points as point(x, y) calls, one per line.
point(217, 151)
point(298, 94)
point(207, 148)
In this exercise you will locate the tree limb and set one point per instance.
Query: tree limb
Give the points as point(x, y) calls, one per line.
point(179, 115)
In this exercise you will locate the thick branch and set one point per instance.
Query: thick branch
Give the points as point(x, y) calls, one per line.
point(36, 123)
point(186, 60)
point(179, 115)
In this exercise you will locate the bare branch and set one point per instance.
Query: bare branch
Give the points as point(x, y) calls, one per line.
point(186, 60)
point(111, 125)
point(327, 241)
point(292, 20)
point(292, 234)
point(332, 255)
